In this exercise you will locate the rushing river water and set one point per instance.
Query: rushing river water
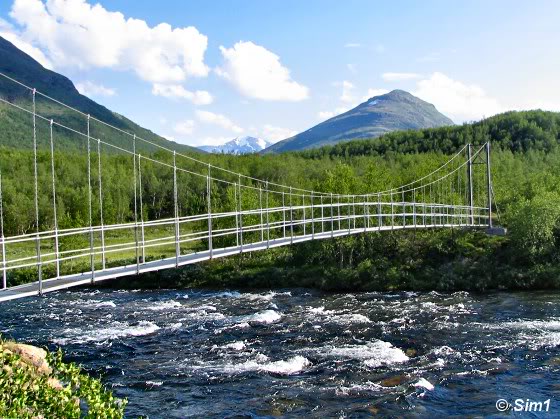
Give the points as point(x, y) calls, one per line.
point(296, 352)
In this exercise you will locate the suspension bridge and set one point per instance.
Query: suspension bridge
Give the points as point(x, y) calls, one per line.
point(236, 213)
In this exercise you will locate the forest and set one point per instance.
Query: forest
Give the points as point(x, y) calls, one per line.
point(525, 171)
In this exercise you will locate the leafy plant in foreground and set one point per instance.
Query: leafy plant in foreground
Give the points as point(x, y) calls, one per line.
point(64, 391)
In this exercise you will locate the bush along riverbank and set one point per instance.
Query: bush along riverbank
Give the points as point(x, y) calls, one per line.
point(35, 383)
point(441, 260)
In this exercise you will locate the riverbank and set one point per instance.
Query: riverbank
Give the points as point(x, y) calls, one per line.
point(441, 260)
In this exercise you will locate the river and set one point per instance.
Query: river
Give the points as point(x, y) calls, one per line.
point(195, 353)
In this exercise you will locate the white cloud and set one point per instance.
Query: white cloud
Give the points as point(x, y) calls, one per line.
point(459, 101)
point(184, 127)
point(176, 91)
point(374, 92)
point(400, 76)
point(347, 89)
point(257, 73)
point(217, 119)
point(352, 45)
point(73, 33)
point(89, 88)
point(351, 68)
point(274, 134)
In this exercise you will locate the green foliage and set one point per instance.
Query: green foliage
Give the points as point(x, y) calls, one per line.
point(27, 393)
point(515, 131)
point(535, 224)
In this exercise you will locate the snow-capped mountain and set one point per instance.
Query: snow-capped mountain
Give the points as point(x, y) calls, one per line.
point(239, 145)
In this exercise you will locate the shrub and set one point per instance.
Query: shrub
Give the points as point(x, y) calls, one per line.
point(53, 389)
point(533, 224)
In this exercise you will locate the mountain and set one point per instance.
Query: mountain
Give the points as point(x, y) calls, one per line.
point(15, 125)
point(239, 145)
point(396, 110)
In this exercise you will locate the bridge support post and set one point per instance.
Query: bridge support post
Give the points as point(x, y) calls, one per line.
point(240, 217)
point(283, 214)
point(349, 214)
point(2, 239)
point(261, 214)
point(379, 212)
point(322, 216)
point(365, 213)
point(100, 205)
point(209, 199)
point(236, 215)
point(403, 210)
point(4, 273)
point(424, 206)
point(470, 185)
point(142, 233)
point(135, 204)
point(489, 184)
point(303, 212)
point(353, 212)
point(291, 218)
point(392, 213)
point(176, 210)
point(91, 250)
point(332, 217)
point(414, 207)
point(312, 217)
point(267, 219)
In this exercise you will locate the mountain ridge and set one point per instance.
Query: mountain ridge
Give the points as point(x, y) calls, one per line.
point(393, 111)
point(19, 66)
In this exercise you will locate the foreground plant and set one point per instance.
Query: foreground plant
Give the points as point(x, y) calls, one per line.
point(37, 384)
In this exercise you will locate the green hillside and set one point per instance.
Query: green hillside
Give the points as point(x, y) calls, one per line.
point(514, 131)
point(15, 124)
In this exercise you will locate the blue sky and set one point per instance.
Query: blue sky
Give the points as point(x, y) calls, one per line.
point(203, 72)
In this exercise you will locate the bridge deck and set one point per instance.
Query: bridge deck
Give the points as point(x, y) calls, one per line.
point(85, 278)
